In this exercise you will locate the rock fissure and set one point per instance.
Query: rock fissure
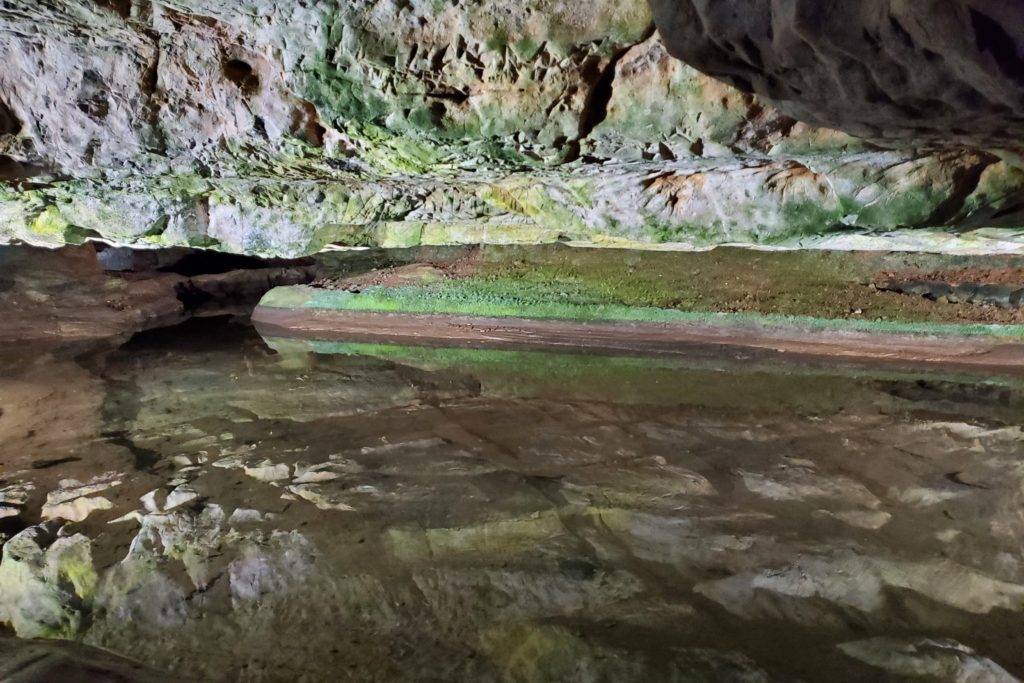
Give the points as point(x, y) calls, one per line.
point(595, 106)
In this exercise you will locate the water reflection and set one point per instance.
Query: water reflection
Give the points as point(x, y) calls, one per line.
point(283, 509)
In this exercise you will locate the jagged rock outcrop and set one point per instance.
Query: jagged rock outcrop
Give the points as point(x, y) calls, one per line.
point(277, 128)
point(940, 71)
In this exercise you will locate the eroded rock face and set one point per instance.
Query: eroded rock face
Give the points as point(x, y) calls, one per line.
point(937, 71)
point(279, 128)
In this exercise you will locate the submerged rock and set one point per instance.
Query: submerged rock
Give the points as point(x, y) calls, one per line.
point(47, 583)
point(74, 500)
point(13, 498)
point(521, 516)
point(553, 653)
point(928, 659)
point(826, 590)
point(267, 471)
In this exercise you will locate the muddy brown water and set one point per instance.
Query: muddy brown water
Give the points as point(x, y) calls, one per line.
point(325, 510)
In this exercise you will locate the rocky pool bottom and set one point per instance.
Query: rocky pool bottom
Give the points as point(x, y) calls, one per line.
point(222, 506)
point(183, 497)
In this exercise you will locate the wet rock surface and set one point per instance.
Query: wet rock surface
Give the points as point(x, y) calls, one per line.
point(1000, 296)
point(27, 661)
point(401, 514)
point(87, 293)
point(985, 288)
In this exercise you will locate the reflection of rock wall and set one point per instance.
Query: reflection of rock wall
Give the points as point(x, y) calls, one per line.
point(278, 128)
point(22, 660)
point(37, 414)
point(400, 519)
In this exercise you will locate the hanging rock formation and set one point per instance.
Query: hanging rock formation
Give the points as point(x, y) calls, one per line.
point(278, 128)
point(940, 71)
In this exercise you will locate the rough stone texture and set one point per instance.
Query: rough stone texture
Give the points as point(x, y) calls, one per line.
point(926, 659)
point(40, 305)
point(30, 661)
point(279, 128)
point(940, 70)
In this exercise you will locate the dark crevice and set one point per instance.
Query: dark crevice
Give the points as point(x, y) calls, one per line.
point(964, 184)
point(53, 462)
point(957, 478)
point(12, 526)
point(260, 126)
point(902, 33)
point(220, 282)
point(456, 96)
point(438, 110)
point(595, 109)
point(741, 83)
point(872, 40)
point(873, 93)
point(191, 297)
point(151, 86)
point(214, 262)
point(752, 53)
point(93, 100)
point(122, 8)
point(243, 75)
point(991, 38)
point(1008, 211)
point(9, 123)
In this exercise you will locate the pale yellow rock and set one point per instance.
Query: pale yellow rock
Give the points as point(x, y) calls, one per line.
point(317, 497)
point(267, 471)
point(77, 509)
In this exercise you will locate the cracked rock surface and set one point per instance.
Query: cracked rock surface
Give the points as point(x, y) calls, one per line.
point(280, 128)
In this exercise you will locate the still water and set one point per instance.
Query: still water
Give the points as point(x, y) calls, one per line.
point(270, 509)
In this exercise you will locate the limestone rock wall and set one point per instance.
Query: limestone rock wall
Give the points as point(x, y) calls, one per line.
point(279, 128)
point(936, 70)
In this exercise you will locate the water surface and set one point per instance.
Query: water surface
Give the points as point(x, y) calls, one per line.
point(277, 509)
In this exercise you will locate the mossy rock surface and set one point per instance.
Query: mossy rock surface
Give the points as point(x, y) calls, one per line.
point(812, 289)
point(282, 128)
